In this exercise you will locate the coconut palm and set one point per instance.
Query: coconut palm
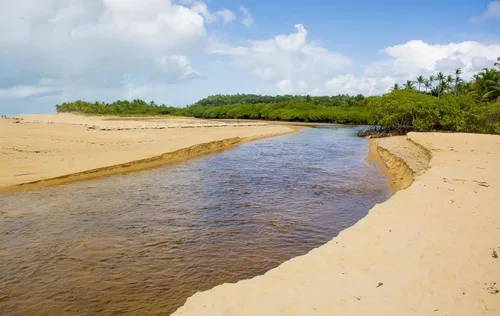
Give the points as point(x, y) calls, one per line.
point(440, 77)
point(497, 63)
point(442, 87)
point(431, 80)
point(427, 85)
point(396, 87)
point(488, 81)
point(493, 91)
point(449, 81)
point(485, 82)
point(409, 85)
point(458, 72)
point(420, 81)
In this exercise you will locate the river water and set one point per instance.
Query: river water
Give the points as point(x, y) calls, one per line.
point(141, 243)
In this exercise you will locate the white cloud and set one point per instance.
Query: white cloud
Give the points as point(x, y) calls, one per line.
point(202, 9)
point(134, 91)
point(414, 58)
point(226, 15)
point(291, 62)
point(247, 17)
point(93, 43)
point(286, 86)
point(80, 48)
point(349, 84)
point(492, 12)
point(21, 92)
point(178, 66)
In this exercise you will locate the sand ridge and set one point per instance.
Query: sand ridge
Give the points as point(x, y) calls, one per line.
point(429, 250)
point(41, 150)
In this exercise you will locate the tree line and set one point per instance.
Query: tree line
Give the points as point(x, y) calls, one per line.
point(231, 99)
point(120, 107)
point(484, 87)
point(439, 102)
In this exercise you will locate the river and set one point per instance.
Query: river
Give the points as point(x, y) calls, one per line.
point(141, 243)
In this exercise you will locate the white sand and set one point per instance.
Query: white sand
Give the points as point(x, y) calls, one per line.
point(426, 251)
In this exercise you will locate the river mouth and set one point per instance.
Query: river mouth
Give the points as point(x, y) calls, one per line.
point(142, 243)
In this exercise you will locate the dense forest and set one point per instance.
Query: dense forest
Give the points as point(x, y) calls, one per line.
point(328, 109)
point(231, 99)
point(440, 102)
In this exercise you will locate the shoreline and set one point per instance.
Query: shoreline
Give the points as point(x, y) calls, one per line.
point(164, 159)
point(429, 249)
point(394, 165)
point(180, 152)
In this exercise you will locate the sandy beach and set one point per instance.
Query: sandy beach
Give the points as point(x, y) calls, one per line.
point(42, 150)
point(431, 249)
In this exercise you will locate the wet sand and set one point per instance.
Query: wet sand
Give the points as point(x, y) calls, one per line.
point(42, 150)
point(432, 249)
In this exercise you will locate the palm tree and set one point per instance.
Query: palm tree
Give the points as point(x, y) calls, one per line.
point(396, 87)
point(458, 72)
point(420, 81)
point(449, 81)
point(493, 91)
point(443, 86)
point(489, 83)
point(409, 85)
point(497, 63)
point(440, 78)
point(431, 81)
point(428, 85)
point(485, 81)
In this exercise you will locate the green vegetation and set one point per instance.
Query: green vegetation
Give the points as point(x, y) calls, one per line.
point(408, 110)
point(440, 102)
point(336, 109)
point(447, 103)
point(220, 99)
point(122, 108)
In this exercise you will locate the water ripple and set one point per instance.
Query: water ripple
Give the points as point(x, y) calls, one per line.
point(144, 242)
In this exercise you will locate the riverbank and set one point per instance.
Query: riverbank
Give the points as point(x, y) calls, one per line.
point(432, 249)
point(399, 159)
point(37, 151)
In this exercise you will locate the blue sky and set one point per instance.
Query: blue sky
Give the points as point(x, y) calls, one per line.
point(176, 52)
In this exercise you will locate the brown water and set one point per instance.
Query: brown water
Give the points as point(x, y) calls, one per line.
point(140, 244)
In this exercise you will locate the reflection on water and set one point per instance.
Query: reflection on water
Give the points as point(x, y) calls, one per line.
point(142, 243)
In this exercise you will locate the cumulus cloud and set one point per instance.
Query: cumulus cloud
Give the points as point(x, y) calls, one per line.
point(226, 15)
point(133, 48)
point(291, 62)
point(247, 17)
point(414, 58)
point(492, 12)
point(286, 86)
point(350, 84)
point(177, 66)
point(94, 43)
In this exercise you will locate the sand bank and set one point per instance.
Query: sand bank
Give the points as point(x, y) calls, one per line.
point(432, 249)
point(41, 150)
point(400, 159)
